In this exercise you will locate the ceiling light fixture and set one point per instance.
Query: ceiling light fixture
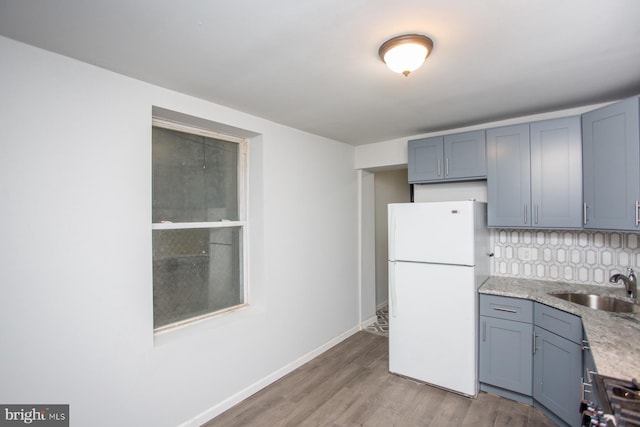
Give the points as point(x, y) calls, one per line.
point(404, 54)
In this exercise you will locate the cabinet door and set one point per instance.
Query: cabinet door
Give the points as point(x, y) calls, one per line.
point(557, 370)
point(465, 155)
point(508, 176)
point(425, 160)
point(556, 173)
point(506, 354)
point(610, 163)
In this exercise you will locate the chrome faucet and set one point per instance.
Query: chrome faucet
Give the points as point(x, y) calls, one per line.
point(629, 281)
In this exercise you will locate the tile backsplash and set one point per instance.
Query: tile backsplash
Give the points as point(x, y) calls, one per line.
point(588, 257)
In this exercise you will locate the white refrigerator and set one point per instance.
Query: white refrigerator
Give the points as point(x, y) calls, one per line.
point(438, 257)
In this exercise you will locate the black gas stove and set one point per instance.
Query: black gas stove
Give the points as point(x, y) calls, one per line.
point(618, 403)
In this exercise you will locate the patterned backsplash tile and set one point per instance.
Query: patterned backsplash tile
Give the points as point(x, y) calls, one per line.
point(580, 256)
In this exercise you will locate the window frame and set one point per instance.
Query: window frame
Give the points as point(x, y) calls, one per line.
point(242, 222)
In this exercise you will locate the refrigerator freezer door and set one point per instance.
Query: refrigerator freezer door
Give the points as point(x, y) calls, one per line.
point(441, 232)
point(433, 325)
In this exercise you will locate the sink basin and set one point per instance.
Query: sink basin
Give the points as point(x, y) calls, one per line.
point(600, 302)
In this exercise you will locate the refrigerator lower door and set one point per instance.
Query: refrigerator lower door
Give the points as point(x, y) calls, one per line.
point(433, 325)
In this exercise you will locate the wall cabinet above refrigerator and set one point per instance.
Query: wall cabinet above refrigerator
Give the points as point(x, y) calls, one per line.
point(455, 157)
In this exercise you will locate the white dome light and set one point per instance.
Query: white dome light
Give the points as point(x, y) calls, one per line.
point(405, 54)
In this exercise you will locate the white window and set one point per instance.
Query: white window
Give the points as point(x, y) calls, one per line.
point(199, 223)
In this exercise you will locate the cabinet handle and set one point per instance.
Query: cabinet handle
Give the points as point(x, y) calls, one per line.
point(446, 171)
point(508, 310)
point(438, 166)
point(637, 215)
point(484, 330)
point(585, 391)
point(534, 342)
point(584, 213)
point(536, 214)
point(525, 213)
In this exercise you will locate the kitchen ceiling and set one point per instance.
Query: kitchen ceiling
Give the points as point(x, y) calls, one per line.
point(314, 65)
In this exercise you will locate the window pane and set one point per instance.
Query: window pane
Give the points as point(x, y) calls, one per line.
point(195, 178)
point(221, 179)
point(195, 272)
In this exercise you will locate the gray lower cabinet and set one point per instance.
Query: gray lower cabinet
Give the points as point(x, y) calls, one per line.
point(534, 174)
point(455, 157)
point(505, 347)
point(532, 353)
point(511, 369)
point(611, 164)
point(557, 368)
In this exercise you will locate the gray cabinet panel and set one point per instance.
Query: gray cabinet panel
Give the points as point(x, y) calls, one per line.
point(611, 157)
point(454, 157)
point(542, 361)
point(506, 354)
point(508, 176)
point(425, 157)
point(465, 155)
point(559, 322)
point(556, 173)
point(534, 174)
point(507, 308)
point(557, 366)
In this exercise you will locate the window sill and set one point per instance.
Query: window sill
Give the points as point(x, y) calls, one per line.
point(194, 328)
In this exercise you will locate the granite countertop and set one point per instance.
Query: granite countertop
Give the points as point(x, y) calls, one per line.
point(614, 338)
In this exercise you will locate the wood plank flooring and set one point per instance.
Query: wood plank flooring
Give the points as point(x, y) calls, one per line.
point(350, 385)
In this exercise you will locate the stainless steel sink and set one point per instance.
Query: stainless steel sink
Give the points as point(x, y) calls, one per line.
point(599, 302)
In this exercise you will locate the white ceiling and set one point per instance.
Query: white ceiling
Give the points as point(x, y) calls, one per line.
point(314, 64)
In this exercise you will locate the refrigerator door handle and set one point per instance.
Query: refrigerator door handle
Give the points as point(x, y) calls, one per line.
point(393, 301)
point(392, 240)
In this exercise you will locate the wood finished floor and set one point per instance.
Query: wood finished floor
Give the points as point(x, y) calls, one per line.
point(350, 385)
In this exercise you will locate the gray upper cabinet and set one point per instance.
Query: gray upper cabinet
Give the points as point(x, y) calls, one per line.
point(534, 174)
point(425, 159)
point(454, 157)
point(556, 173)
point(465, 155)
point(508, 176)
point(611, 157)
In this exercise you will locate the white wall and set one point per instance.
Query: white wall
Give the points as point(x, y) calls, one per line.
point(366, 182)
point(393, 153)
point(75, 251)
point(450, 191)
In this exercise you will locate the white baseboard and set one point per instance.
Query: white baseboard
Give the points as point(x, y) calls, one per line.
point(368, 322)
point(233, 400)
